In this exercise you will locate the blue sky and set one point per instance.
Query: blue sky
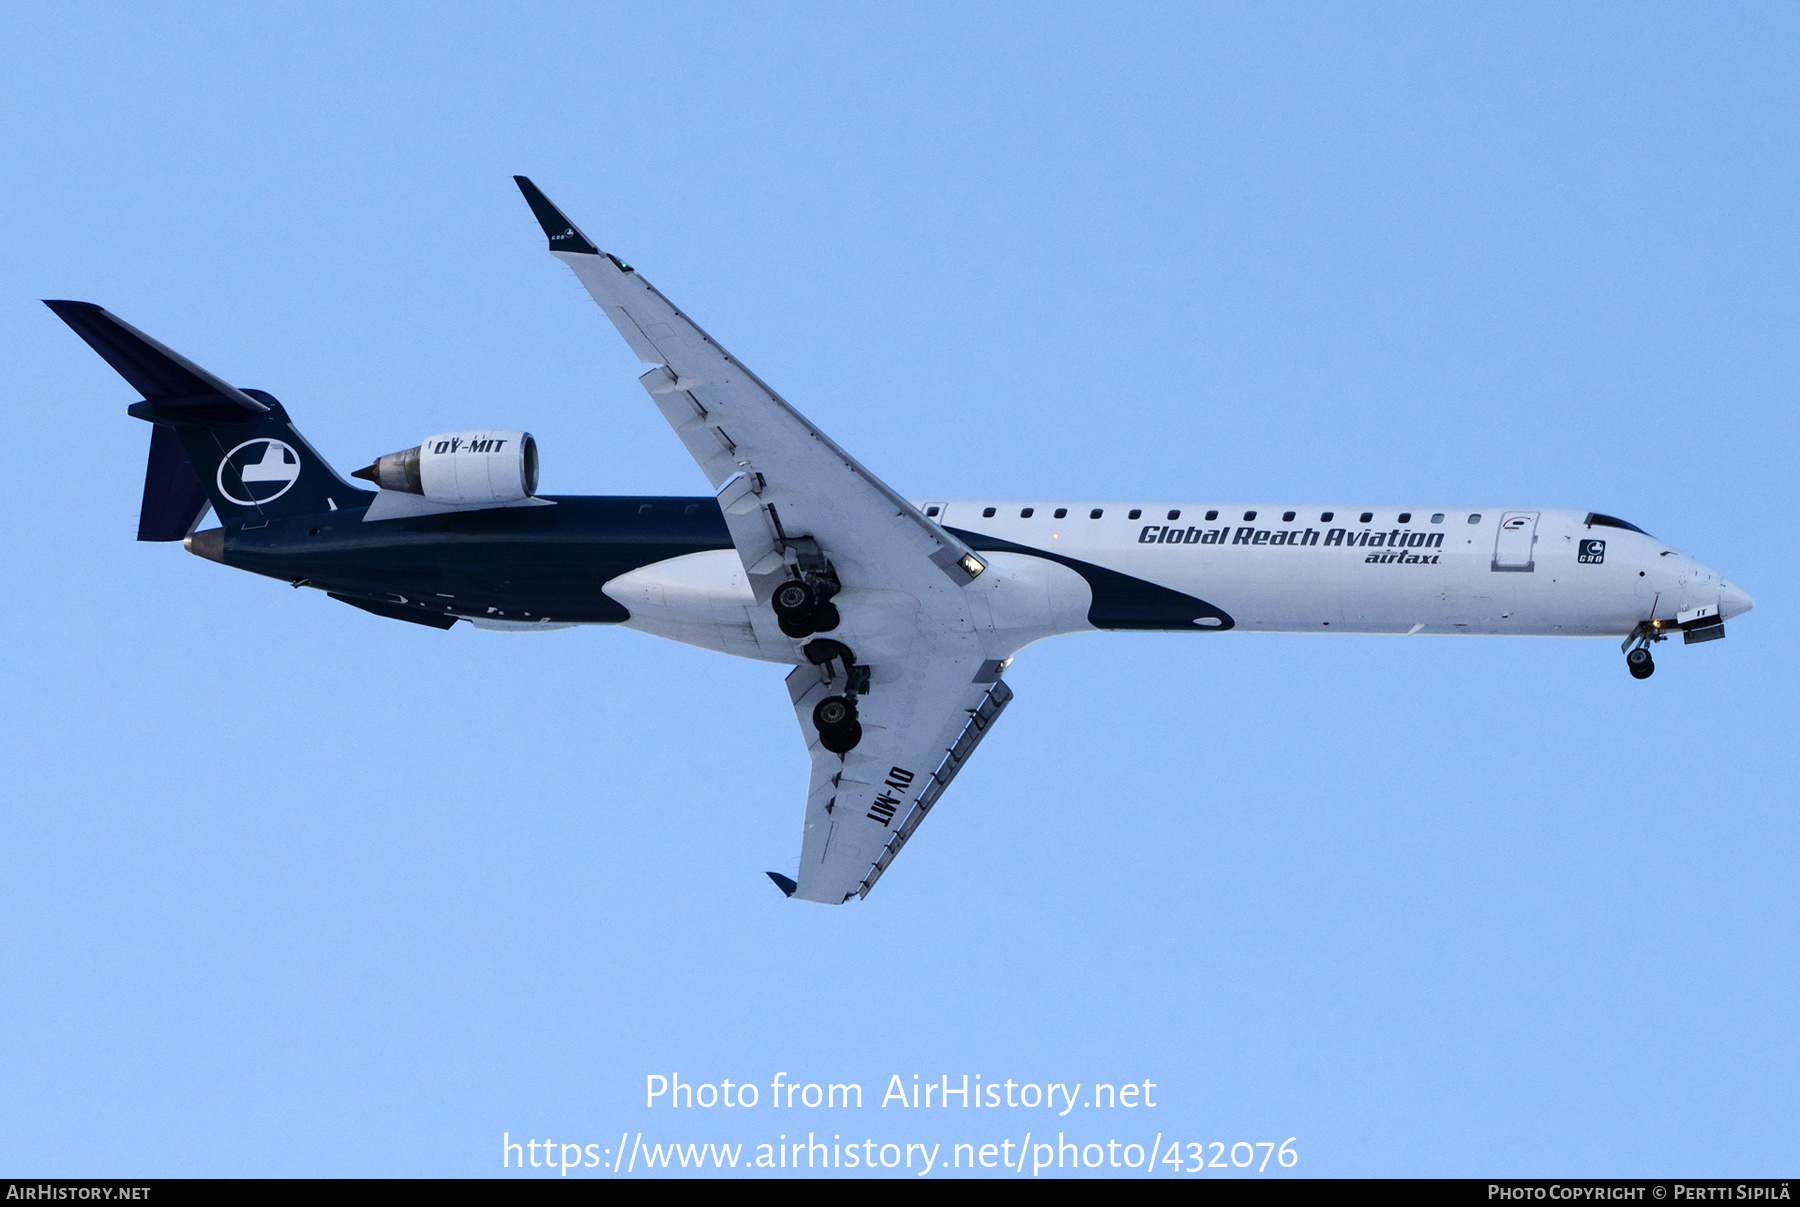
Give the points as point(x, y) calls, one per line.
point(292, 890)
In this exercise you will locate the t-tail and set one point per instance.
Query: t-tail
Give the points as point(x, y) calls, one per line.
point(214, 445)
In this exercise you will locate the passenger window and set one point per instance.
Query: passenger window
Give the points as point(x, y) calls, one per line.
point(1025, 512)
point(692, 508)
point(931, 511)
point(1094, 514)
point(643, 507)
point(1212, 515)
point(1174, 515)
point(1437, 517)
point(987, 513)
point(1406, 517)
point(1133, 514)
point(1325, 516)
point(1475, 518)
point(1287, 517)
point(1061, 512)
point(1366, 517)
point(1249, 515)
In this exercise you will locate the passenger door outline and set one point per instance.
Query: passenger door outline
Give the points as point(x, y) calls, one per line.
point(1515, 544)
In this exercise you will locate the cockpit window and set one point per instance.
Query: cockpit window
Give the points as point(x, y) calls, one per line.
point(1607, 521)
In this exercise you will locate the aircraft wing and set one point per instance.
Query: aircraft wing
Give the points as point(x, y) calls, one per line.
point(788, 492)
point(778, 476)
point(862, 807)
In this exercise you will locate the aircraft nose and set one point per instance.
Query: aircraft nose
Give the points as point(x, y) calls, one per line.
point(1733, 600)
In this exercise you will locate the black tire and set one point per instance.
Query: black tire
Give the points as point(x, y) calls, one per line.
point(834, 712)
point(799, 630)
point(844, 740)
point(1639, 663)
point(824, 618)
point(795, 600)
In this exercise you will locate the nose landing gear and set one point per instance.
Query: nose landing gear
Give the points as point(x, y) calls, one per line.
point(1637, 648)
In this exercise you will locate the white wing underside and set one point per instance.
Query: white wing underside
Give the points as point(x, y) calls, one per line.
point(918, 732)
point(932, 692)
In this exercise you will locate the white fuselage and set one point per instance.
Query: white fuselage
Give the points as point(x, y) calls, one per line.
point(1488, 571)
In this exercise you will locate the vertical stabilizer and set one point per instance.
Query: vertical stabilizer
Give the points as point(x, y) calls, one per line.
point(213, 443)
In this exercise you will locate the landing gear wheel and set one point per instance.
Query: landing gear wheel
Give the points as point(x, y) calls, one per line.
point(800, 611)
point(795, 600)
point(1638, 662)
point(835, 719)
point(842, 741)
point(833, 712)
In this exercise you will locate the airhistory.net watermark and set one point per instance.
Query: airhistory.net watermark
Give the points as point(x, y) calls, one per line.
point(1157, 1155)
point(966, 1091)
point(829, 1110)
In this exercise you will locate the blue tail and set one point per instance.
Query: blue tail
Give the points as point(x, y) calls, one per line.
point(214, 444)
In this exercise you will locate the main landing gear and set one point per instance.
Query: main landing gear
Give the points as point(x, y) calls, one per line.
point(835, 719)
point(835, 716)
point(801, 611)
point(803, 607)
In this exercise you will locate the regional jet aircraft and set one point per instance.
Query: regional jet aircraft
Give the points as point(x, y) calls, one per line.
point(898, 616)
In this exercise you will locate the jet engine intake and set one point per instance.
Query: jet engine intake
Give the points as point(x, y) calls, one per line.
point(461, 468)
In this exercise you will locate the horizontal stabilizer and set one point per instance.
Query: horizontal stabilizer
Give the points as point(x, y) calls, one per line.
point(160, 374)
point(562, 233)
point(174, 496)
point(786, 886)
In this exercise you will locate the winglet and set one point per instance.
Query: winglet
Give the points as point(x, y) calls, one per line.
point(786, 886)
point(563, 234)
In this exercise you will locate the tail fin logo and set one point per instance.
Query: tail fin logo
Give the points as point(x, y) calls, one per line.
point(258, 471)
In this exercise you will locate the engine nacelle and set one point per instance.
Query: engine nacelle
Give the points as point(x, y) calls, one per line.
point(462, 468)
